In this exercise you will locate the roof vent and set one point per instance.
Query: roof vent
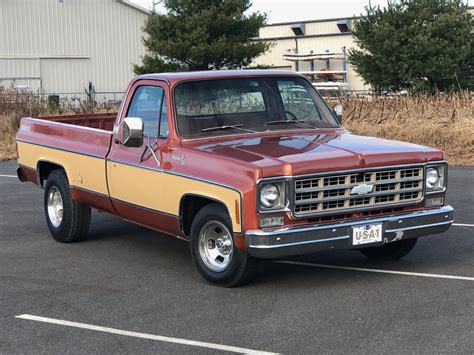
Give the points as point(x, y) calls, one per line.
point(298, 29)
point(344, 25)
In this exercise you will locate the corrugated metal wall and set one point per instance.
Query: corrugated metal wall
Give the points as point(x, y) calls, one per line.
point(69, 43)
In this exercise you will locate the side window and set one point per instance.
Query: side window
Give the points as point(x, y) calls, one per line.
point(147, 104)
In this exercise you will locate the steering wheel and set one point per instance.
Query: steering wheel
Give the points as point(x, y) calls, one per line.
point(286, 112)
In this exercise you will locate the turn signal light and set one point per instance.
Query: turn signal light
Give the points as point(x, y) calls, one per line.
point(271, 222)
point(434, 201)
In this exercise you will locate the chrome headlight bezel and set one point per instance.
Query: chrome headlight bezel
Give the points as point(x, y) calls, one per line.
point(281, 203)
point(436, 185)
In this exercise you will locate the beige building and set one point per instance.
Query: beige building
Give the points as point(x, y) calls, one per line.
point(59, 46)
point(312, 40)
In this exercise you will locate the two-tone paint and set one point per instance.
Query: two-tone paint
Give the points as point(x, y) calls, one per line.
point(123, 181)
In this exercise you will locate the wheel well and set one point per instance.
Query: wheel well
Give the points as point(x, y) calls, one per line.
point(189, 207)
point(45, 168)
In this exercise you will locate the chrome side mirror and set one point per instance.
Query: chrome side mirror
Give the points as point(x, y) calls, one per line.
point(132, 132)
point(338, 109)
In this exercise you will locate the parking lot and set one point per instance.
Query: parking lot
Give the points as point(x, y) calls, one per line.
point(130, 290)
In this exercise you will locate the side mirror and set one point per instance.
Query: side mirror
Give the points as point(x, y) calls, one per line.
point(338, 109)
point(132, 132)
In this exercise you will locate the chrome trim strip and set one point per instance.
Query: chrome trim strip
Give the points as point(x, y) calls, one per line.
point(372, 194)
point(299, 243)
point(419, 227)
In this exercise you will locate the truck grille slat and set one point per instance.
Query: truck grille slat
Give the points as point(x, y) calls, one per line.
point(320, 194)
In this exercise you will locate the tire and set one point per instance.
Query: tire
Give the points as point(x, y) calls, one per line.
point(211, 238)
point(68, 221)
point(391, 251)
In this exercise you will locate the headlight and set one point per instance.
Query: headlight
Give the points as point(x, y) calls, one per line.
point(432, 177)
point(435, 179)
point(269, 195)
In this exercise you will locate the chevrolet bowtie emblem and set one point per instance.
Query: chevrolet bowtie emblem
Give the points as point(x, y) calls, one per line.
point(362, 189)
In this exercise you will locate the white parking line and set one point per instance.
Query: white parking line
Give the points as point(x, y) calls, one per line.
point(382, 271)
point(201, 344)
point(463, 225)
point(10, 176)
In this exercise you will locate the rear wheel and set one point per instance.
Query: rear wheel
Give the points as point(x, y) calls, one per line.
point(213, 249)
point(68, 221)
point(390, 251)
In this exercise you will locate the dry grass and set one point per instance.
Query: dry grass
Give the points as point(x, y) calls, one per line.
point(441, 121)
point(14, 105)
point(8, 127)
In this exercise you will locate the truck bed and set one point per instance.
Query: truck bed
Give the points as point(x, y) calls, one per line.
point(77, 143)
point(103, 121)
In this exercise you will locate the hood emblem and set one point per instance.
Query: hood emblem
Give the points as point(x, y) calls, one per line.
point(362, 189)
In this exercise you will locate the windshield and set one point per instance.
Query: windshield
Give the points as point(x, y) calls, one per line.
point(228, 106)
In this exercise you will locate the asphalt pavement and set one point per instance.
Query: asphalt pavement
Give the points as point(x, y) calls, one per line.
point(144, 291)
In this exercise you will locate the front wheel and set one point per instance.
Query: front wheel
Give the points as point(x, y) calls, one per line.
point(68, 221)
point(391, 251)
point(213, 249)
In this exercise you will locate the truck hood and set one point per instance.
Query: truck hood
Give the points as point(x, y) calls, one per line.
point(304, 153)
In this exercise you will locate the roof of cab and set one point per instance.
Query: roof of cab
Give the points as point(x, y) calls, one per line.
point(215, 74)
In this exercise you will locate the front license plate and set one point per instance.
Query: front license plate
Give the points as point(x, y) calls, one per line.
point(371, 233)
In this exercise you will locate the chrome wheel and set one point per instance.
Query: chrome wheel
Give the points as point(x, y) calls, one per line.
point(215, 246)
point(55, 206)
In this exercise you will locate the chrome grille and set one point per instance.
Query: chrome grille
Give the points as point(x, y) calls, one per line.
point(330, 193)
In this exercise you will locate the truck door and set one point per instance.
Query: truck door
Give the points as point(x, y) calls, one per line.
point(135, 178)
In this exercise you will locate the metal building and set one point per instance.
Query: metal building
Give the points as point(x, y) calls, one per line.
point(59, 46)
point(314, 47)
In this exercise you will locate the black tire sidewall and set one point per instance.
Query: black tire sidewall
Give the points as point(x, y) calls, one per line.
point(215, 212)
point(59, 180)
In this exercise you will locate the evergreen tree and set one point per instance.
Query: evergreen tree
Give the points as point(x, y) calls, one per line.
point(415, 44)
point(201, 35)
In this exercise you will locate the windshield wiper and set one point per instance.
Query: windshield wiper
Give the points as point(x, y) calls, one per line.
point(235, 126)
point(301, 122)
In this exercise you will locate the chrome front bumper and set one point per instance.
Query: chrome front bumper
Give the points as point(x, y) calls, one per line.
point(302, 240)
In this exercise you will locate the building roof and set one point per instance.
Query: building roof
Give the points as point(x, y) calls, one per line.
point(470, 8)
point(135, 6)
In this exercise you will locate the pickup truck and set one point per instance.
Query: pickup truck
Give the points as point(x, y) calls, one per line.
point(244, 165)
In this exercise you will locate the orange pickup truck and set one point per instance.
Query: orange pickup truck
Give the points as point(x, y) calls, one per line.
point(243, 165)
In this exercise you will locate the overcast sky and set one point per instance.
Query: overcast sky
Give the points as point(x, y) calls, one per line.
point(294, 10)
